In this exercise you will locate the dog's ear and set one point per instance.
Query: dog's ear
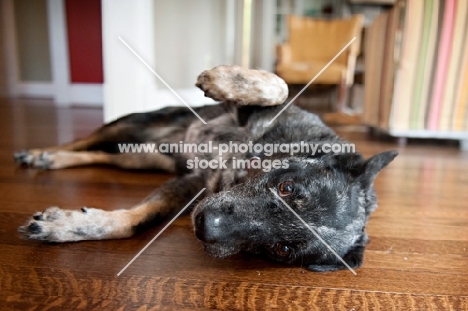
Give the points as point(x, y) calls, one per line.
point(359, 169)
point(376, 163)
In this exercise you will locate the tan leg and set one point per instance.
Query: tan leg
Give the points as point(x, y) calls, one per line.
point(59, 225)
point(29, 157)
point(77, 145)
point(65, 159)
point(122, 130)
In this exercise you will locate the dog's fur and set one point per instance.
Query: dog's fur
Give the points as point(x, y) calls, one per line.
point(332, 192)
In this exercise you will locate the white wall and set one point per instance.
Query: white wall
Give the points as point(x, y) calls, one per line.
point(128, 85)
point(178, 39)
point(263, 50)
point(188, 39)
point(191, 36)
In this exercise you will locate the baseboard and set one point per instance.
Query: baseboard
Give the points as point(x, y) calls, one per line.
point(79, 94)
point(35, 90)
point(86, 95)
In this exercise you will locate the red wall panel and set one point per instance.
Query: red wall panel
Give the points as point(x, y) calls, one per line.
point(85, 40)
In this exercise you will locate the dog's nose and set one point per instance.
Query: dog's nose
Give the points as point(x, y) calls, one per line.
point(208, 226)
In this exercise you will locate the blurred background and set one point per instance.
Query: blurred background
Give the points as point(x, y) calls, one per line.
point(406, 73)
point(68, 50)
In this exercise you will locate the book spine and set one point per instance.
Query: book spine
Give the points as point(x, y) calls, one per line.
point(445, 46)
point(454, 70)
point(405, 75)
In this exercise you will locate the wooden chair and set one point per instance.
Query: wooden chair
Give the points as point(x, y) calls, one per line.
point(312, 43)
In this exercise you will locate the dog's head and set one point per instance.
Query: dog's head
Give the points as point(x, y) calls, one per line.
point(333, 194)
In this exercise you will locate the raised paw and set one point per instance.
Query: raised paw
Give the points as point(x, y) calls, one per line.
point(59, 225)
point(243, 86)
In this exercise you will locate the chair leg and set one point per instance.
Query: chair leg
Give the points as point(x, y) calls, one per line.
point(342, 114)
point(343, 93)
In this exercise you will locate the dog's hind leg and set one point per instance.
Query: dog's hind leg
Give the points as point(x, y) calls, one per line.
point(29, 157)
point(59, 225)
point(167, 124)
point(106, 133)
point(66, 159)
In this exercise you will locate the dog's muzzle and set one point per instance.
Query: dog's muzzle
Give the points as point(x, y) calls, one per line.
point(217, 231)
point(209, 226)
point(222, 223)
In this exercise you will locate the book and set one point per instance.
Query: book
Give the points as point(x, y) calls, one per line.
point(374, 47)
point(454, 69)
point(388, 66)
point(417, 85)
point(440, 77)
point(425, 63)
point(405, 74)
point(461, 101)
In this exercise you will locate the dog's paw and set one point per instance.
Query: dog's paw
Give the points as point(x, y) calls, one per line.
point(26, 157)
point(52, 225)
point(44, 160)
point(243, 86)
point(23, 157)
point(34, 158)
point(58, 225)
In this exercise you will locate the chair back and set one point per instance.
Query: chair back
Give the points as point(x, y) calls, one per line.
point(319, 40)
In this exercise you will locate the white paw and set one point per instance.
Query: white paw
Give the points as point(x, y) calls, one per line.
point(40, 159)
point(243, 86)
point(58, 225)
point(36, 158)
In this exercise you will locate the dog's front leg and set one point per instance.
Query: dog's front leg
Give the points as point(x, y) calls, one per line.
point(59, 225)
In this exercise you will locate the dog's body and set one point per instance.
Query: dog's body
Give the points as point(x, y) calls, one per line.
point(332, 192)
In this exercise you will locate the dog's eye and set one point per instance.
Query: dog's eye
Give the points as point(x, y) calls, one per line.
point(286, 188)
point(283, 250)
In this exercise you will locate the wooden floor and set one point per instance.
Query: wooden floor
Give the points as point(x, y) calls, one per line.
point(417, 257)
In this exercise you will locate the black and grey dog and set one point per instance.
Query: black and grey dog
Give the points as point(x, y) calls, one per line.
point(332, 191)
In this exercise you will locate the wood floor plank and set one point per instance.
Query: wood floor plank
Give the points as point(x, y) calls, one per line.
point(90, 288)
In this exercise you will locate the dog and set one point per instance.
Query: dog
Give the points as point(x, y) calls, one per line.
point(331, 191)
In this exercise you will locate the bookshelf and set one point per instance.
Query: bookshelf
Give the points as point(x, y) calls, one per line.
point(416, 71)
